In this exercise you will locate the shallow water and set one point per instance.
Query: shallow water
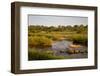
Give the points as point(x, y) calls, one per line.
point(63, 45)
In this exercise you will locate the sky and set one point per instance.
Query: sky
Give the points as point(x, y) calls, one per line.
point(48, 20)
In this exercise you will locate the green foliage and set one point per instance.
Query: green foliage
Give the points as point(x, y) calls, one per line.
point(44, 55)
point(61, 28)
point(49, 52)
point(80, 40)
point(36, 41)
point(56, 33)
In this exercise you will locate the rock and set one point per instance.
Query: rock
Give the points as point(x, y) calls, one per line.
point(77, 51)
point(70, 51)
point(74, 46)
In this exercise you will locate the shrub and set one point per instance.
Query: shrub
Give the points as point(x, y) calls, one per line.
point(38, 55)
point(80, 40)
point(49, 36)
point(36, 41)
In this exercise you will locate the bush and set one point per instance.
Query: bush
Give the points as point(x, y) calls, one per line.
point(80, 40)
point(38, 55)
point(36, 41)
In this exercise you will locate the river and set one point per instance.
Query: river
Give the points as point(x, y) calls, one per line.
point(60, 47)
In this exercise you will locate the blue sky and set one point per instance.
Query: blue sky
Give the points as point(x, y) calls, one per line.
point(56, 20)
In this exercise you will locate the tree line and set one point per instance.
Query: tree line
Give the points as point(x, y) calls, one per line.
point(78, 28)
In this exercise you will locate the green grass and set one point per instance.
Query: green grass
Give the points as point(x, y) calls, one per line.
point(34, 54)
point(45, 39)
point(36, 41)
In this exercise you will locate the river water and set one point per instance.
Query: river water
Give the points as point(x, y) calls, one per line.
point(63, 45)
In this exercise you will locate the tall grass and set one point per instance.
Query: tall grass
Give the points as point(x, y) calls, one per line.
point(34, 54)
point(36, 41)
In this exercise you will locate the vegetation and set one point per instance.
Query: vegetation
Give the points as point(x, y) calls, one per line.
point(45, 55)
point(79, 39)
point(36, 41)
point(40, 36)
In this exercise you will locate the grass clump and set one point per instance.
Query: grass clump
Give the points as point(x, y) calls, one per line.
point(44, 55)
point(36, 41)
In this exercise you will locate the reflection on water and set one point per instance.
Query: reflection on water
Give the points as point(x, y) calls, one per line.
point(61, 45)
point(60, 48)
